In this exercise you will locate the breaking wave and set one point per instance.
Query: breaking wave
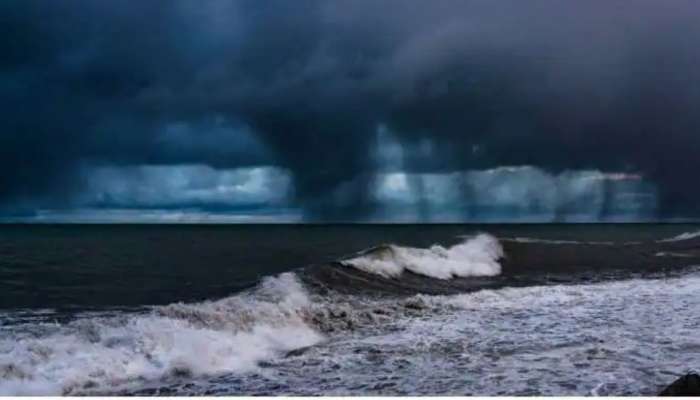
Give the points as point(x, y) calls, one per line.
point(118, 351)
point(475, 256)
point(92, 354)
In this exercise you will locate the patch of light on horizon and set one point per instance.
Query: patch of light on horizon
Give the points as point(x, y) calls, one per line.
point(184, 216)
point(515, 193)
point(166, 186)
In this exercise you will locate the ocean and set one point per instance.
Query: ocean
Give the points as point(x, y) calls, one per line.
point(551, 309)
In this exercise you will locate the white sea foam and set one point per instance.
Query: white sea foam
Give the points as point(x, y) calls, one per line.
point(621, 337)
point(229, 335)
point(626, 337)
point(475, 256)
point(682, 236)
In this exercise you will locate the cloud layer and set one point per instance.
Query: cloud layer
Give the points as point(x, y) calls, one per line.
point(334, 95)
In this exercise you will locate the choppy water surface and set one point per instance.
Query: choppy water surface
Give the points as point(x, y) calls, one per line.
point(621, 338)
point(484, 323)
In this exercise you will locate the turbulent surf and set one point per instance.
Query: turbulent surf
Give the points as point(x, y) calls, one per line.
point(480, 315)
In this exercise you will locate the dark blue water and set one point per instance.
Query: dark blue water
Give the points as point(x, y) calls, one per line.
point(89, 266)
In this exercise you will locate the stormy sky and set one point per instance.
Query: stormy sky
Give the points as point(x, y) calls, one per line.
point(391, 110)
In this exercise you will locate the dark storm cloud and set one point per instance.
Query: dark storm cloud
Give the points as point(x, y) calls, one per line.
point(306, 86)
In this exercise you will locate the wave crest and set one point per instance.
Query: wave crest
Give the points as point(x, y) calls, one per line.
point(92, 354)
point(475, 256)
